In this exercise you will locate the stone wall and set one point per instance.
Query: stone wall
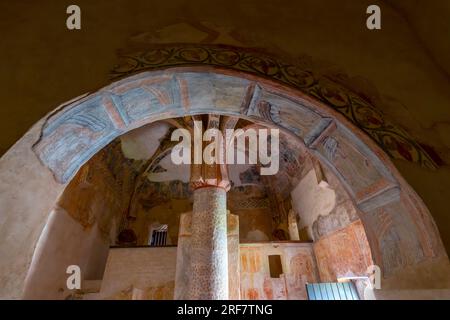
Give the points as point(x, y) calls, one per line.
point(139, 273)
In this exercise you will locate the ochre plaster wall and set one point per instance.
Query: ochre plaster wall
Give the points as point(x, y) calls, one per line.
point(254, 225)
point(311, 200)
point(81, 226)
point(39, 189)
point(167, 213)
point(343, 253)
point(299, 267)
point(64, 242)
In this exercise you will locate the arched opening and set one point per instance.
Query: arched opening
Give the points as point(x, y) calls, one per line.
point(350, 206)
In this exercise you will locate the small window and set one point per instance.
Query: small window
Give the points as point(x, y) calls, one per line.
point(159, 236)
point(275, 267)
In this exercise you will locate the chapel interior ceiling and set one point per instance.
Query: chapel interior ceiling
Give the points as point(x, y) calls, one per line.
point(153, 188)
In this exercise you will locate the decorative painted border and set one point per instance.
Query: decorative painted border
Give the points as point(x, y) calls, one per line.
point(397, 143)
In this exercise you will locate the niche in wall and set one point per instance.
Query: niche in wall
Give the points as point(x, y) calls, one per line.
point(275, 266)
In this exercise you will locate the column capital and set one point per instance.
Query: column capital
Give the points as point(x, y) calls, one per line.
point(215, 175)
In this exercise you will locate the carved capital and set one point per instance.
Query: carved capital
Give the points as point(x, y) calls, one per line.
point(215, 175)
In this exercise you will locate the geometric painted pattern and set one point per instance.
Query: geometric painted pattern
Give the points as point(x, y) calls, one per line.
point(392, 139)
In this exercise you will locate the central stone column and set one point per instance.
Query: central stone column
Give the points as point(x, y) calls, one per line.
point(208, 272)
point(209, 251)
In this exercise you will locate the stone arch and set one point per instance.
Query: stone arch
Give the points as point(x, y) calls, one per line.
point(400, 230)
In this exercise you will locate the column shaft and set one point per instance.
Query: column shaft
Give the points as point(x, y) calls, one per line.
point(209, 255)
